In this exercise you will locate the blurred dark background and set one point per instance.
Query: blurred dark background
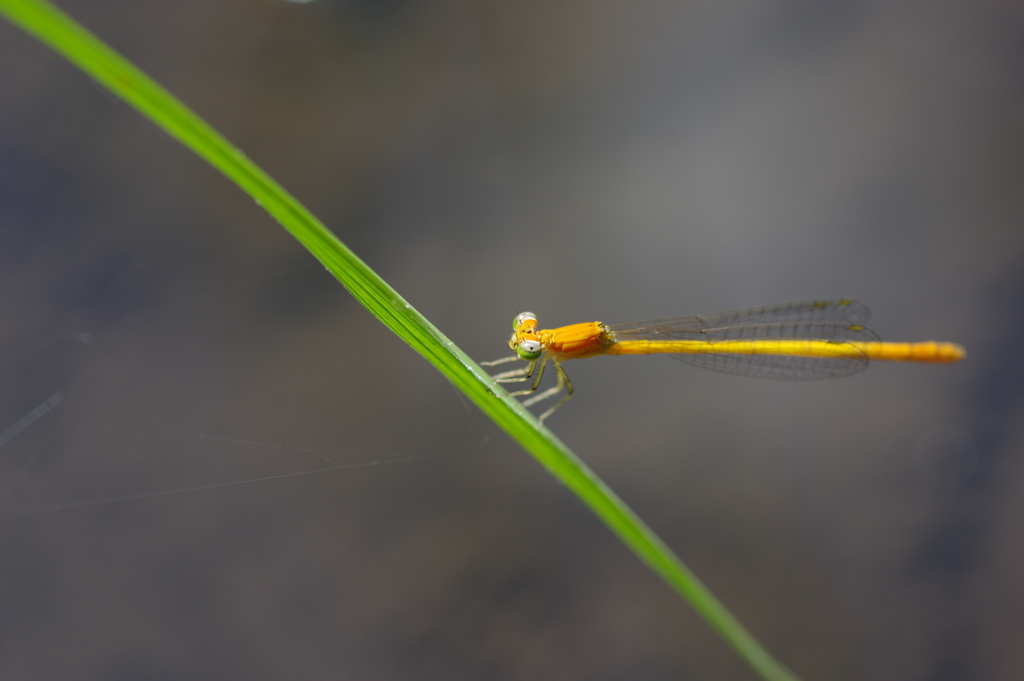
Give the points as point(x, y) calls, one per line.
point(582, 160)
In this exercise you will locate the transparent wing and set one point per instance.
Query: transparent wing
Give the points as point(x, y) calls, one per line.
point(836, 321)
point(845, 310)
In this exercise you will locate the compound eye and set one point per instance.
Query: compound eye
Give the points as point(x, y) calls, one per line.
point(529, 349)
point(521, 318)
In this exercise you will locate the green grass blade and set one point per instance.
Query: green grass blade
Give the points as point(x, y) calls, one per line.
point(68, 38)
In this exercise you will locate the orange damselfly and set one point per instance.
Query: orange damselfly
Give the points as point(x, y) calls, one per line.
point(805, 340)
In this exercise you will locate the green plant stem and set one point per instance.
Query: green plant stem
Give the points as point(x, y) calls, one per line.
point(68, 38)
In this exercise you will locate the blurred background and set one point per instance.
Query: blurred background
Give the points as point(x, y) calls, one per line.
point(167, 351)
